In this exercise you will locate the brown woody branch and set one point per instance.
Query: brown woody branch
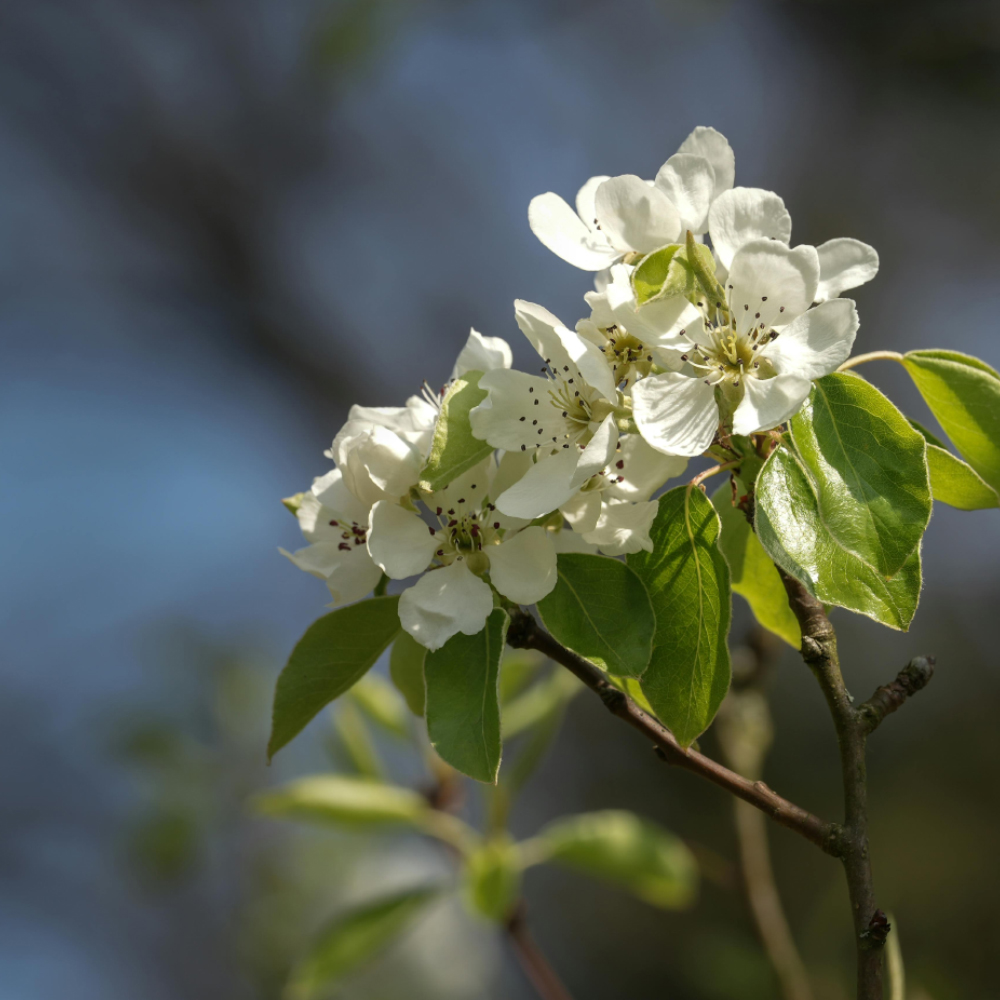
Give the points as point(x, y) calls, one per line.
point(526, 633)
point(889, 697)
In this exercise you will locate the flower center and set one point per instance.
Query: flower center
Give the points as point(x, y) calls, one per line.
point(352, 534)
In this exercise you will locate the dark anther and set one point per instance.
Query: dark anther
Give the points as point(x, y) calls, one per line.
point(620, 464)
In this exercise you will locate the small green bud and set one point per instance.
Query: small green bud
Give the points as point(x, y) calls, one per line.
point(294, 502)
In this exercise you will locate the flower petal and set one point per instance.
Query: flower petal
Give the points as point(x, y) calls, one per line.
point(744, 214)
point(635, 216)
point(349, 573)
point(505, 417)
point(585, 200)
point(659, 322)
point(689, 182)
point(598, 452)
point(560, 229)
point(331, 491)
point(771, 284)
point(523, 568)
point(675, 414)
point(545, 487)
point(567, 540)
point(817, 343)
point(844, 264)
point(399, 540)
point(769, 402)
point(443, 603)
point(623, 528)
point(482, 354)
point(714, 146)
point(564, 349)
point(640, 469)
point(583, 510)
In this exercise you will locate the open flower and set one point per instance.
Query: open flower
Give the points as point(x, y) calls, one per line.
point(757, 353)
point(564, 418)
point(619, 216)
point(460, 535)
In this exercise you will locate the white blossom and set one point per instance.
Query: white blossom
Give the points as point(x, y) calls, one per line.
point(760, 352)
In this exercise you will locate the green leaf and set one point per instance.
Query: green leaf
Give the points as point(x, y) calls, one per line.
point(687, 579)
point(355, 741)
point(957, 484)
point(335, 798)
point(406, 668)
point(625, 849)
point(795, 535)
point(463, 709)
point(454, 450)
point(671, 271)
point(539, 702)
point(491, 879)
point(381, 702)
point(352, 939)
point(600, 609)
point(868, 470)
point(752, 573)
point(963, 393)
point(333, 654)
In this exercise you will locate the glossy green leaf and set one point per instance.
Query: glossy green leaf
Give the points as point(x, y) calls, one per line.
point(670, 271)
point(335, 798)
point(491, 879)
point(963, 393)
point(953, 481)
point(352, 939)
point(867, 468)
point(406, 668)
point(687, 579)
point(463, 708)
point(625, 849)
point(752, 573)
point(381, 702)
point(453, 449)
point(600, 609)
point(334, 653)
point(795, 535)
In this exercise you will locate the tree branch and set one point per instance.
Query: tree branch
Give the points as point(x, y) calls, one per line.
point(911, 679)
point(819, 650)
point(526, 633)
point(534, 964)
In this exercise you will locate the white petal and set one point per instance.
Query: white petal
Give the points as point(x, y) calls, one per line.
point(563, 348)
point(714, 146)
point(583, 510)
point(399, 540)
point(443, 603)
point(658, 323)
point(817, 343)
point(331, 491)
point(598, 452)
point(744, 214)
point(560, 229)
point(377, 462)
point(769, 402)
point(546, 486)
point(689, 182)
point(643, 470)
point(511, 467)
point(349, 573)
point(844, 264)
point(624, 528)
point(523, 568)
point(482, 354)
point(585, 200)
point(635, 216)
point(569, 541)
point(675, 414)
point(770, 284)
point(466, 492)
point(511, 397)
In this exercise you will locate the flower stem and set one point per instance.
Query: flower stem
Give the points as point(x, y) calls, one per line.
point(862, 359)
point(714, 470)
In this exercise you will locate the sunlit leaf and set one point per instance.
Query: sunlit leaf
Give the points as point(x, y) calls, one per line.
point(454, 450)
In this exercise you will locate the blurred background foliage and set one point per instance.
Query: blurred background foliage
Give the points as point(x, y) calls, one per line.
point(222, 222)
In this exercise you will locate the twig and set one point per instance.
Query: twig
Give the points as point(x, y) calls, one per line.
point(889, 697)
point(819, 650)
point(862, 359)
point(526, 633)
point(535, 965)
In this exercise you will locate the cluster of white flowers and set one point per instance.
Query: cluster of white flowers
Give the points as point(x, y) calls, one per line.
point(621, 403)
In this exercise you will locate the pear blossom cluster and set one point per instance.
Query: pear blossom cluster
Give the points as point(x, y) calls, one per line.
point(616, 407)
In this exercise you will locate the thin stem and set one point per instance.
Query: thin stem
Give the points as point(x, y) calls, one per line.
point(714, 470)
point(819, 650)
point(863, 359)
point(535, 965)
point(526, 633)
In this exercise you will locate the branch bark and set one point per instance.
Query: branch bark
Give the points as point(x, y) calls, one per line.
point(889, 697)
point(526, 633)
point(535, 965)
point(819, 650)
